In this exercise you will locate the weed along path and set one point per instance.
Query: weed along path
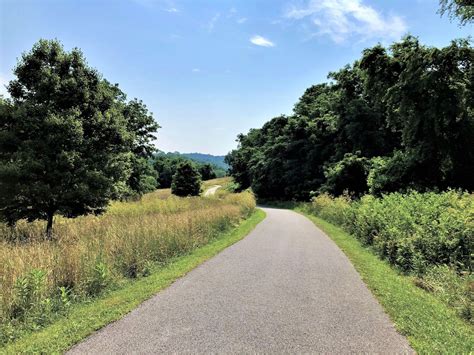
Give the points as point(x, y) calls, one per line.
point(212, 190)
point(286, 287)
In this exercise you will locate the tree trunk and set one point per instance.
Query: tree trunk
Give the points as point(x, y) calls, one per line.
point(49, 226)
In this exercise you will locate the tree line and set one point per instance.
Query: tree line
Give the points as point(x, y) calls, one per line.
point(398, 118)
point(166, 164)
point(70, 141)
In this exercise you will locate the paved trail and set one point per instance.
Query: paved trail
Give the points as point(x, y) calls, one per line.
point(212, 190)
point(285, 288)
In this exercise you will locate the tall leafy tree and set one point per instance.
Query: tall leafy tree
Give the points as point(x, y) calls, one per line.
point(207, 172)
point(186, 180)
point(431, 104)
point(142, 126)
point(398, 118)
point(64, 144)
point(165, 167)
point(462, 9)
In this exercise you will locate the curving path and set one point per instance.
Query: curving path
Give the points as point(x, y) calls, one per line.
point(212, 190)
point(285, 288)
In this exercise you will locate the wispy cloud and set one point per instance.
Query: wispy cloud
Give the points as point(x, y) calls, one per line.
point(261, 41)
point(196, 70)
point(234, 15)
point(345, 19)
point(212, 23)
point(165, 5)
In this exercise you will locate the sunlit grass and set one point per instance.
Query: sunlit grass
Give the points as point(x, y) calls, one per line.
point(86, 317)
point(92, 253)
point(223, 181)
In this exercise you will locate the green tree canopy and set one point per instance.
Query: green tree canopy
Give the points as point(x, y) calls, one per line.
point(141, 124)
point(207, 172)
point(462, 9)
point(186, 180)
point(398, 118)
point(67, 138)
point(166, 167)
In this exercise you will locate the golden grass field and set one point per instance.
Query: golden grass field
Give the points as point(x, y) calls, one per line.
point(90, 253)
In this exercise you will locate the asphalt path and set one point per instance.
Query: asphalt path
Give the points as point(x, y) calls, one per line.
point(285, 288)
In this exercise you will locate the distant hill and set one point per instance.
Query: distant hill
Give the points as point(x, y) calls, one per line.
point(207, 158)
point(217, 161)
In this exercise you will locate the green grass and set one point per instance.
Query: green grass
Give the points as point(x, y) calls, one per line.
point(85, 318)
point(430, 326)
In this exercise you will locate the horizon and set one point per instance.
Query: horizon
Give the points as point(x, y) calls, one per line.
point(209, 71)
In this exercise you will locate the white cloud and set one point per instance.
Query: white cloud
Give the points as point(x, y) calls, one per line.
point(241, 20)
point(196, 70)
point(344, 19)
point(164, 5)
point(261, 41)
point(210, 25)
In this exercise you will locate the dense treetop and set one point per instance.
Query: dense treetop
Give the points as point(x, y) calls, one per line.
point(397, 118)
point(69, 140)
point(186, 180)
point(462, 9)
point(165, 165)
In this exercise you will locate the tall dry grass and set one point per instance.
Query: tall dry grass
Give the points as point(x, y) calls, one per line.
point(90, 253)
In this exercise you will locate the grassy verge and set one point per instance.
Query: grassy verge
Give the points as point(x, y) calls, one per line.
point(429, 325)
point(85, 318)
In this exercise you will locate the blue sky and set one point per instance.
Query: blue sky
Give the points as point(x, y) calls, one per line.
point(209, 70)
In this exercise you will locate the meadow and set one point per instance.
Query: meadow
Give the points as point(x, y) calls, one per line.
point(88, 255)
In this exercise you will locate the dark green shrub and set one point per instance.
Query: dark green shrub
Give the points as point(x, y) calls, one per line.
point(334, 210)
point(349, 174)
point(186, 180)
point(29, 290)
point(412, 230)
point(207, 172)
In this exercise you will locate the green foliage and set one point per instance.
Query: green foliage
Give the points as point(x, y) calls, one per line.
point(32, 308)
point(166, 164)
point(69, 142)
point(454, 289)
point(28, 293)
point(349, 174)
point(429, 324)
point(368, 129)
point(429, 235)
point(165, 168)
point(217, 161)
point(463, 9)
point(206, 171)
point(186, 180)
point(335, 210)
point(143, 177)
point(99, 279)
point(412, 231)
point(140, 122)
